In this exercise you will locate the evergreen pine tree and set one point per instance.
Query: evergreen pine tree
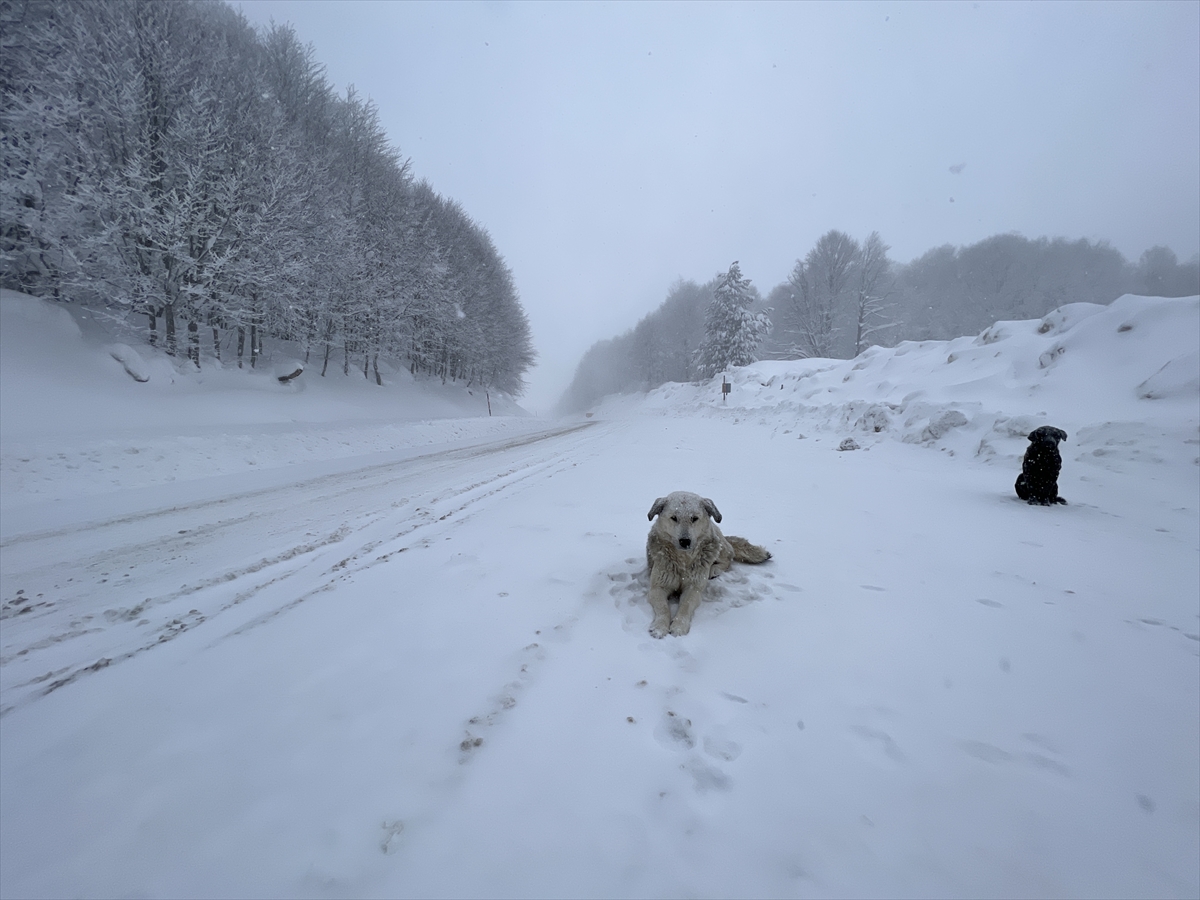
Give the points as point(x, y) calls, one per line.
point(732, 332)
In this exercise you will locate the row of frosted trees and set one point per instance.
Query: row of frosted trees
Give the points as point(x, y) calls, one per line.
point(845, 295)
point(164, 157)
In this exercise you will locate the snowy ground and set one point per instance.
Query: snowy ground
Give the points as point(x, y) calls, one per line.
point(349, 642)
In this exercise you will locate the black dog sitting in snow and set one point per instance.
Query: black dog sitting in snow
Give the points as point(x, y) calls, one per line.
point(1038, 481)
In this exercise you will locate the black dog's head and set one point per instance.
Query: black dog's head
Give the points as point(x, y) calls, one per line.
point(1047, 434)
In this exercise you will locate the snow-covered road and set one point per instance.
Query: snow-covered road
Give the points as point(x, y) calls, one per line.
point(431, 676)
point(86, 593)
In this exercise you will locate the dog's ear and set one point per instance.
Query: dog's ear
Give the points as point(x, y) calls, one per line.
point(1060, 434)
point(711, 509)
point(659, 505)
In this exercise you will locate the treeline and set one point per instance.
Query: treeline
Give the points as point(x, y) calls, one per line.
point(845, 295)
point(662, 347)
point(165, 157)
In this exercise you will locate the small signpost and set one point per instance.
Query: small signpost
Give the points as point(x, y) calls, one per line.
point(726, 387)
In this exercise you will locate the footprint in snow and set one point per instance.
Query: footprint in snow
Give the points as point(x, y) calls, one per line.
point(1042, 758)
point(706, 777)
point(878, 740)
point(675, 732)
point(719, 745)
point(984, 751)
point(507, 697)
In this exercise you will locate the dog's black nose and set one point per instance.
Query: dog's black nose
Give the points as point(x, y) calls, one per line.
point(685, 543)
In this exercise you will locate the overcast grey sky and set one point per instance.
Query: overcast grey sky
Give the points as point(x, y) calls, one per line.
point(611, 148)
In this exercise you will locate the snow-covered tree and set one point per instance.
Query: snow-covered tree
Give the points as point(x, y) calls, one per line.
point(872, 285)
point(164, 158)
point(1160, 274)
point(732, 332)
point(820, 289)
point(948, 292)
point(38, 111)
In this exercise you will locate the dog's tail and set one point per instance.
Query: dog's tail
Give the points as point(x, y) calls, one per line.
point(746, 552)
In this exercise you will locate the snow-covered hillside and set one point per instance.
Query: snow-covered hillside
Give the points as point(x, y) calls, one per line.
point(75, 422)
point(266, 640)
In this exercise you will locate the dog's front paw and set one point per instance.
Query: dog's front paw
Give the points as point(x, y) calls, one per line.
point(659, 628)
point(680, 627)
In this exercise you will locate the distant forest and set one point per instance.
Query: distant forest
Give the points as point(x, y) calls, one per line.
point(846, 295)
point(165, 158)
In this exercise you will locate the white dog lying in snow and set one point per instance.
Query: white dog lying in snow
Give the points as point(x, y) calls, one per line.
point(684, 550)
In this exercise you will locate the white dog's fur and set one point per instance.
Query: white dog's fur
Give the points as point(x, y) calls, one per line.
point(684, 550)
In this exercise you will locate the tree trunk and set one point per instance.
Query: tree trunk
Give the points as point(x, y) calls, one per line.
point(366, 365)
point(253, 344)
point(153, 327)
point(346, 361)
point(169, 327)
point(216, 343)
point(308, 337)
point(194, 342)
point(328, 344)
point(378, 377)
point(241, 344)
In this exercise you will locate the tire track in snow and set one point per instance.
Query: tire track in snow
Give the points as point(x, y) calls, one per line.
point(365, 557)
point(80, 630)
point(473, 451)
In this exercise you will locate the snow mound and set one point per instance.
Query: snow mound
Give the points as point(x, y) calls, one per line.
point(1083, 368)
point(133, 363)
point(1178, 378)
point(1065, 317)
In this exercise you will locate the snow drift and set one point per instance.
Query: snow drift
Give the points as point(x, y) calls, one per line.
point(1083, 367)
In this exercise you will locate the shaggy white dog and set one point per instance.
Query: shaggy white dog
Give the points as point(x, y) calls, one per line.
point(684, 550)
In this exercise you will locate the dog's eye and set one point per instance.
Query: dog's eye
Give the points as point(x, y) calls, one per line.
point(674, 518)
point(695, 518)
